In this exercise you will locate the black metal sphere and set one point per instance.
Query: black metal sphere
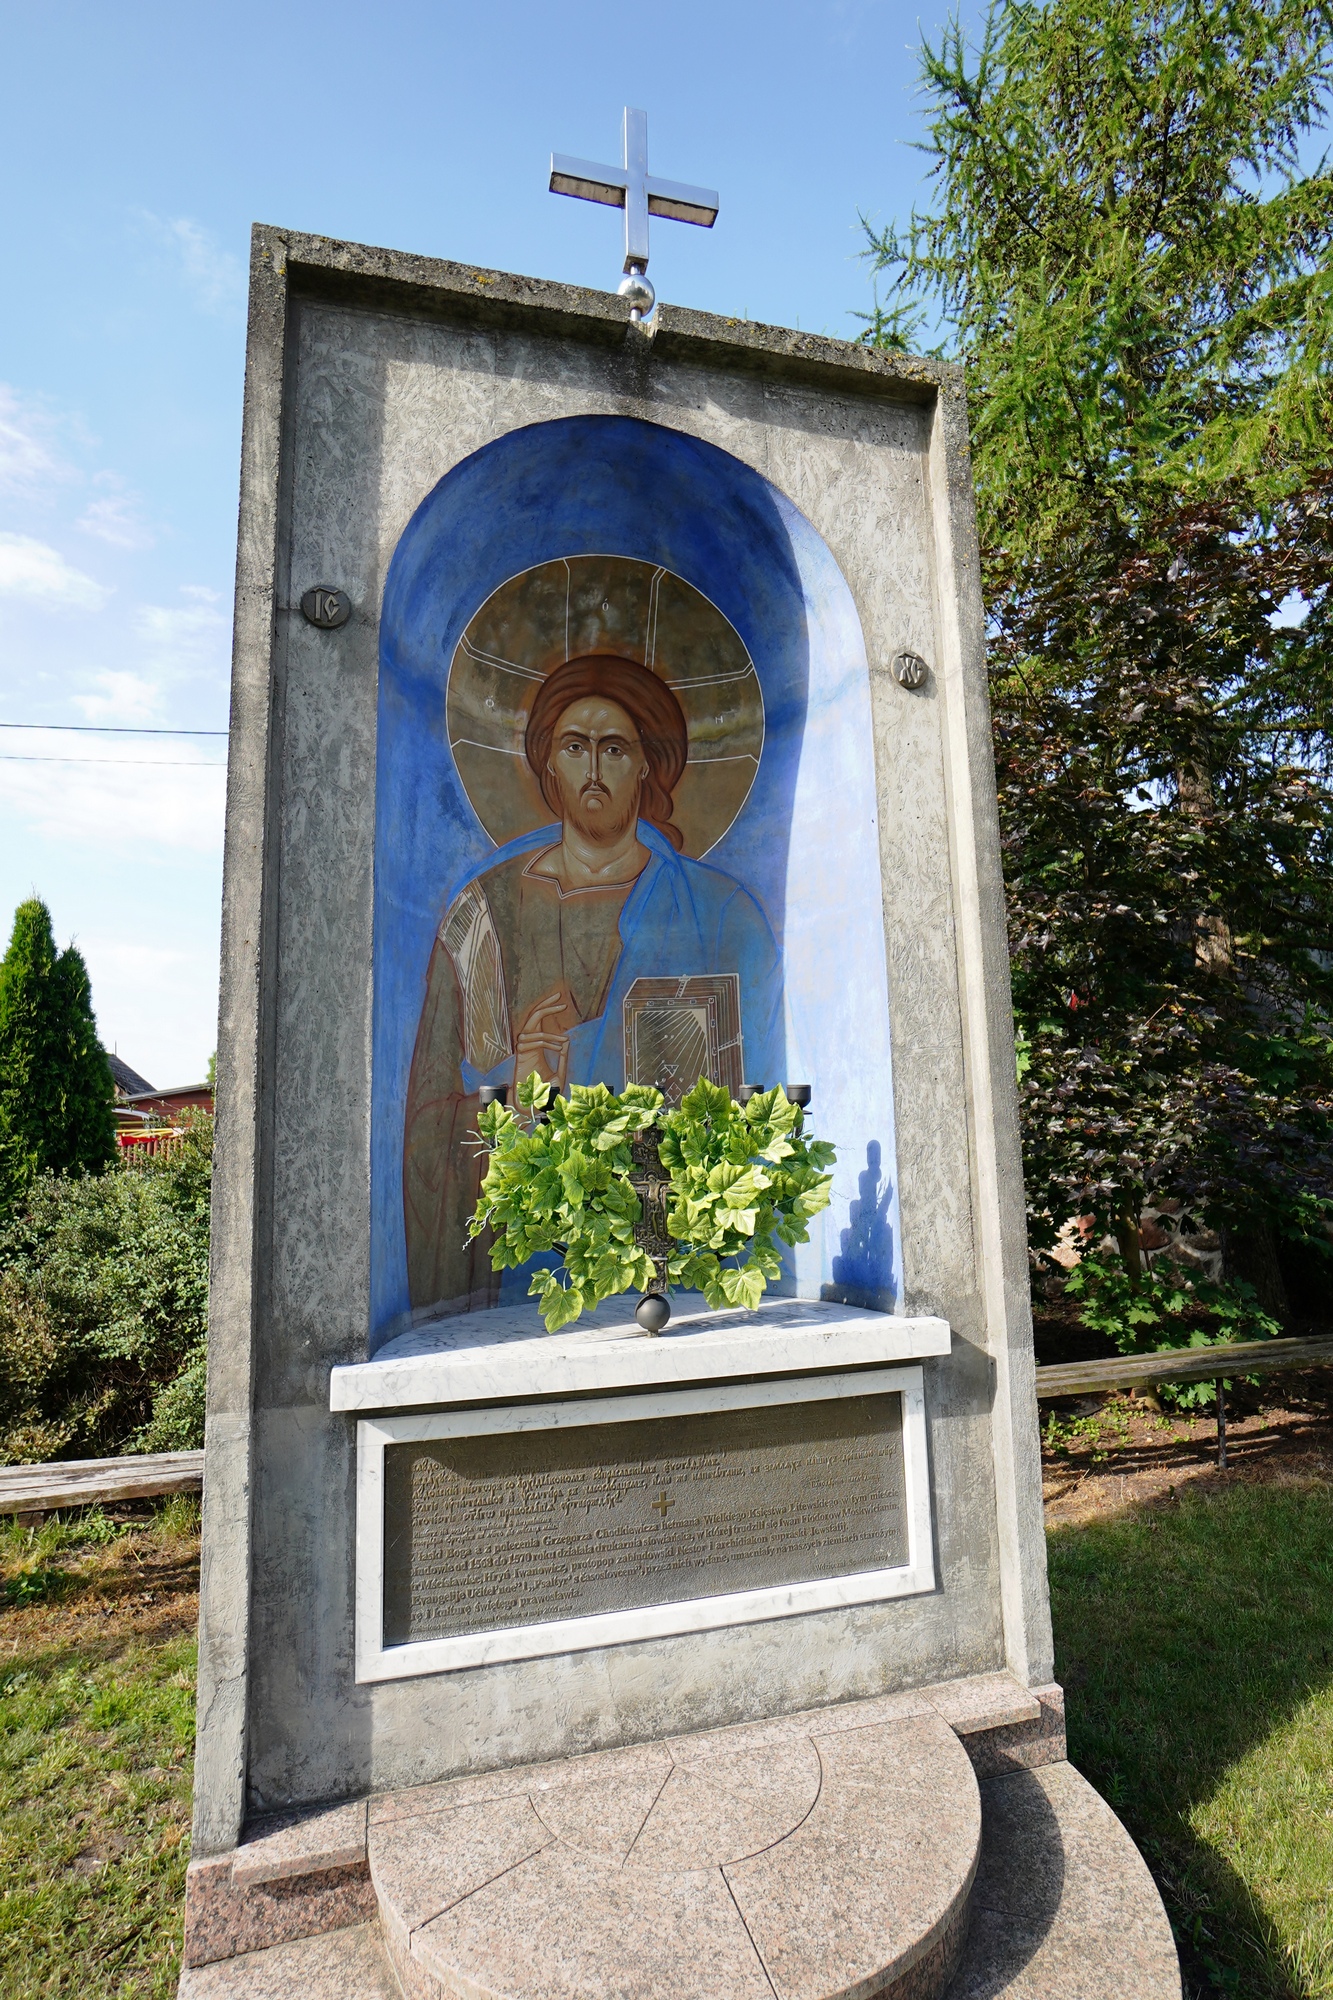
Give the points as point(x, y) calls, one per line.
point(652, 1312)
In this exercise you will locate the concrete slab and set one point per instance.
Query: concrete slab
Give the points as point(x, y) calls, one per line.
point(340, 1965)
point(507, 1353)
point(307, 1844)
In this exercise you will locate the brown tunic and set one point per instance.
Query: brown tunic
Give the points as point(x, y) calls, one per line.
point(515, 952)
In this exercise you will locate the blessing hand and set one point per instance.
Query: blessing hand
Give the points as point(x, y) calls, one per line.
point(541, 1045)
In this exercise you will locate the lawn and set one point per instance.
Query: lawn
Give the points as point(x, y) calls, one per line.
point(1194, 1636)
point(97, 1663)
point(1194, 1639)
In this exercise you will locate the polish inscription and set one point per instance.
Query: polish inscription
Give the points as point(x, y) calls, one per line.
point(486, 1533)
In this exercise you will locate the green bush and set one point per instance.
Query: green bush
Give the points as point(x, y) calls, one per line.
point(103, 1309)
point(1167, 1307)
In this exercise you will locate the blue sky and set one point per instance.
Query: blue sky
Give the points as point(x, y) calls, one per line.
point(137, 145)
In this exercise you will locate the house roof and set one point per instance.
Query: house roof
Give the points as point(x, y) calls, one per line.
point(128, 1082)
point(148, 1094)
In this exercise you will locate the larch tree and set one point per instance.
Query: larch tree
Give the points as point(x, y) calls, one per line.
point(56, 1091)
point(1129, 250)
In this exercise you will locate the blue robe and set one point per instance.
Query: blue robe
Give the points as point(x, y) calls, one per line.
point(680, 918)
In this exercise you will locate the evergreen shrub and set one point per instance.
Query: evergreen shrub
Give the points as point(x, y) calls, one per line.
point(56, 1091)
point(103, 1309)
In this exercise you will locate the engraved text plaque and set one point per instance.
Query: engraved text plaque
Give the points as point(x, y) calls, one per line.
point(487, 1533)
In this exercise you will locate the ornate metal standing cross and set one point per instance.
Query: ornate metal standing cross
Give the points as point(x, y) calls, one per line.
point(640, 194)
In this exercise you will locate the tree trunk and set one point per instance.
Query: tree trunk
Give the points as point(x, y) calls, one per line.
point(1127, 1236)
point(1214, 947)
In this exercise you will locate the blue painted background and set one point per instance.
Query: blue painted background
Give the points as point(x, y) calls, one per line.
point(805, 843)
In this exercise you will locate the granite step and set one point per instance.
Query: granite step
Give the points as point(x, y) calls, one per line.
point(831, 1853)
point(347, 1964)
point(1063, 1908)
point(827, 1854)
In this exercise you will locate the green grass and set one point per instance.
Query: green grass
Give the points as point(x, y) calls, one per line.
point(96, 1732)
point(1195, 1643)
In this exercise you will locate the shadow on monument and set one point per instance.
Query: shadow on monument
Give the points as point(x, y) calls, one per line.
point(863, 1271)
point(1020, 1881)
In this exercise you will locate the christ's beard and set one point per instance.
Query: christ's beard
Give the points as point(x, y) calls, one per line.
point(602, 821)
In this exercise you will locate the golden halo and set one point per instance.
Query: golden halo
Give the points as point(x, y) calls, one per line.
point(603, 604)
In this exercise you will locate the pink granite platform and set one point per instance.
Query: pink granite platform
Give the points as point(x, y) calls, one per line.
point(1063, 1908)
point(824, 1854)
point(833, 1853)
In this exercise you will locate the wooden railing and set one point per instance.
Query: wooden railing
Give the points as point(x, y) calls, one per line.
point(78, 1482)
point(1185, 1364)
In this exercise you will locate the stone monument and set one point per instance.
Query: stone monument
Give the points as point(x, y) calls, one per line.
point(590, 1663)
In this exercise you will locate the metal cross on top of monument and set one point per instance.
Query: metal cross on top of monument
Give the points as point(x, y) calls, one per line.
point(640, 194)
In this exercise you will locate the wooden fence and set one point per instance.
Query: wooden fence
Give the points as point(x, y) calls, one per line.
point(79, 1482)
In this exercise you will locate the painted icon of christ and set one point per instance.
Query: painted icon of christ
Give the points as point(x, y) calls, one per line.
point(541, 945)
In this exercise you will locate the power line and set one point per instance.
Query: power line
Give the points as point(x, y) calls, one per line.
point(112, 729)
point(121, 763)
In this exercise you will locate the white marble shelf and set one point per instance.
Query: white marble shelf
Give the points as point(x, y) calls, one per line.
point(506, 1353)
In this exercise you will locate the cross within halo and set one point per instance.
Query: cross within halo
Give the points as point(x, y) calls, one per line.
point(640, 194)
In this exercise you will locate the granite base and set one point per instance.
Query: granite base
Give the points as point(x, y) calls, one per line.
point(423, 1861)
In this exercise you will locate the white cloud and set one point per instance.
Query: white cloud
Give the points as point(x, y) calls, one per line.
point(30, 461)
point(115, 517)
point(183, 632)
point(172, 645)
point(122, 697)
point(214, 277)
point(34, 464)
point(118, 794)
point(30, 568)
point(181, 639)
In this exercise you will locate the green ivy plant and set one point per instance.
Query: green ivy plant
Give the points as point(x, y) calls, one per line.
point(743, 1178)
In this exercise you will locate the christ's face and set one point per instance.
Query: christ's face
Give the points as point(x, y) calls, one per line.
point(599, 767)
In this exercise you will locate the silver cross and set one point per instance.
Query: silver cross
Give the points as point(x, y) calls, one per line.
point(640, 194)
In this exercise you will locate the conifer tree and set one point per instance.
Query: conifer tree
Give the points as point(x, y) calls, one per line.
point(56, 1090)
point(1129, 251)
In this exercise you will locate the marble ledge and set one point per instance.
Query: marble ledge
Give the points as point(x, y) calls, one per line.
point(506, 1353)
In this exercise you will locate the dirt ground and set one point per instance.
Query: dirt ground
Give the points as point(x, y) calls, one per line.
point(143, 1586)
point(1101, 1454)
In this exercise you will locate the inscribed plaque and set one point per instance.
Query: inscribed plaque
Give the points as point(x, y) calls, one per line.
point(486, 1533)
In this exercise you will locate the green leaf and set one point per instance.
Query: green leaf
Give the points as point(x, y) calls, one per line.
point(743, 1287)
point(534, 1094)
